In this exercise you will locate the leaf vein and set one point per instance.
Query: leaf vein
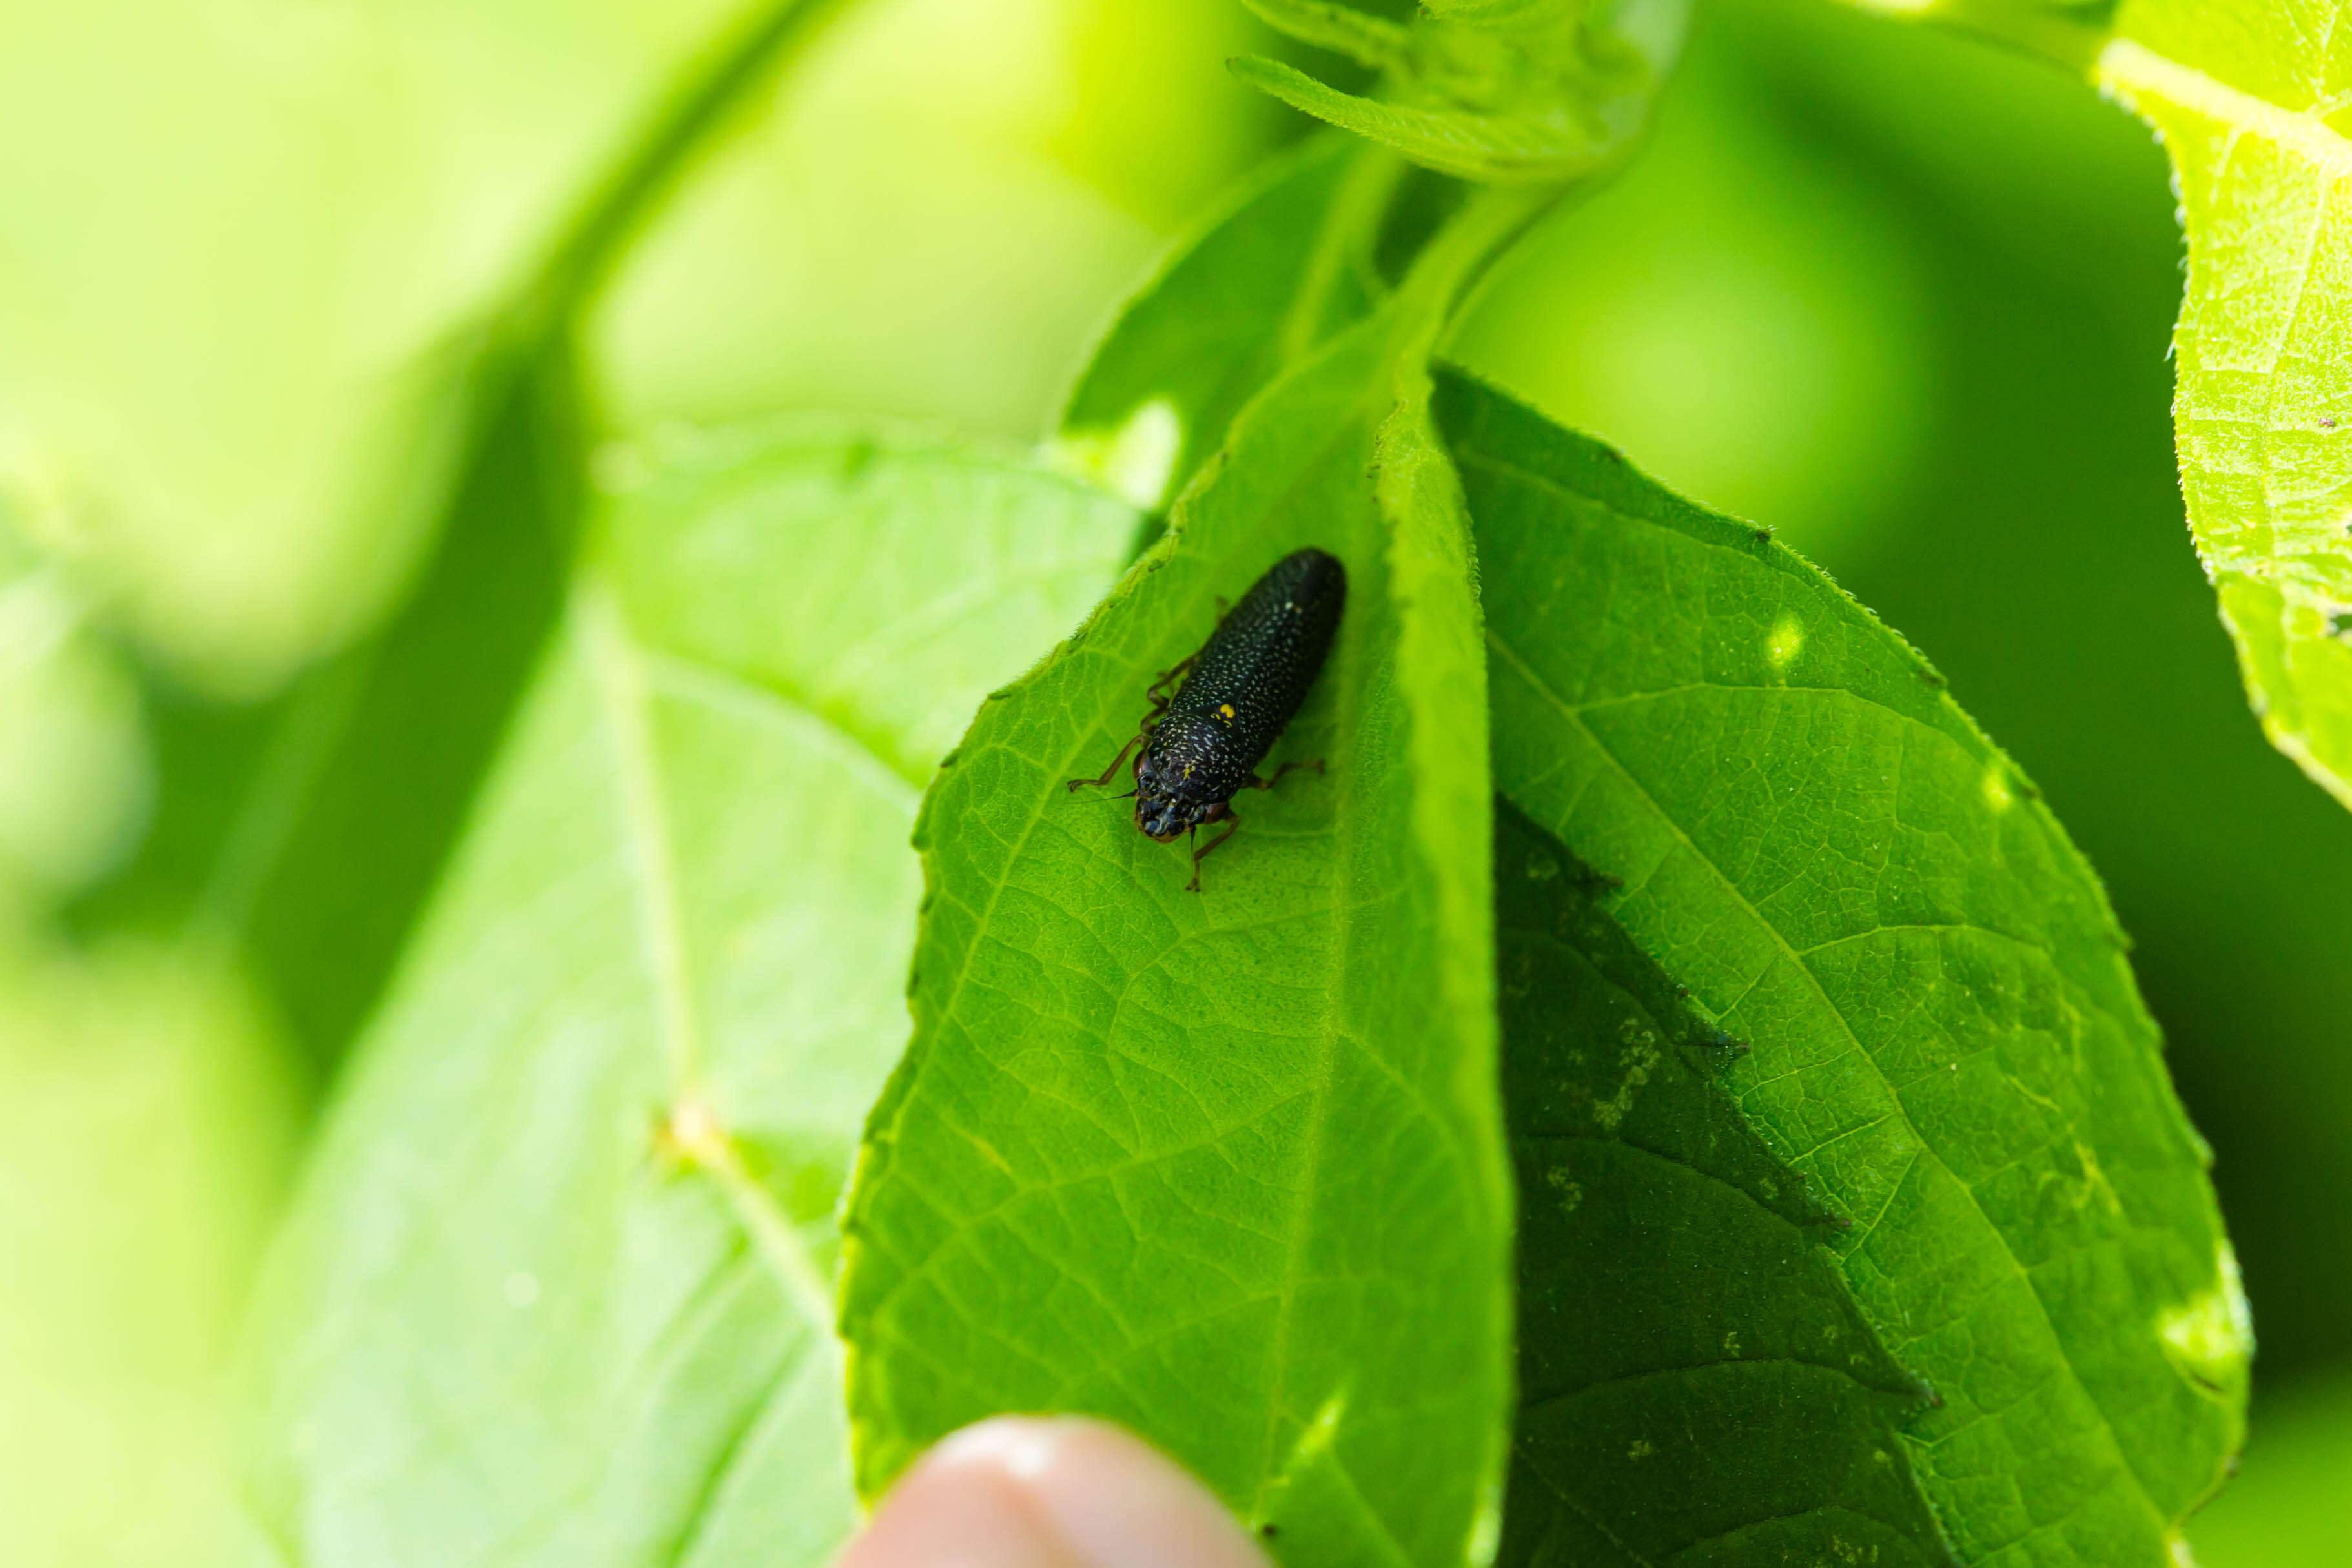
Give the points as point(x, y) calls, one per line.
point(1927, 1150)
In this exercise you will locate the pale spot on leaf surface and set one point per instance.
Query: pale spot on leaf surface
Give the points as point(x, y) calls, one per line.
point(1134, 462)
point(1997, 792)
point(2212, 1338)
point(1640, 1057)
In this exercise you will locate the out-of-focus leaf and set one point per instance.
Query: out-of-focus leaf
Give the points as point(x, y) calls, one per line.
point(354, 788)
point(938, 220)
point(1260, 287)
point(224, 224)
point(74, 776)
point(311, 829)
point(2291, 1507)
point(1225, 1166)
point(1523, 91)
point(373, 767)
point(1947, 1044)
point(557, 1287)
point(147, 1121)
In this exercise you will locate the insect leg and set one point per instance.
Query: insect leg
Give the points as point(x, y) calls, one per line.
point(1200, 855)
point(1077, 784)
point(1159, 700)
point(1257, 783)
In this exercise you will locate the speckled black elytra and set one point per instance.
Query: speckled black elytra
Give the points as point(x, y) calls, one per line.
point(1202, 746)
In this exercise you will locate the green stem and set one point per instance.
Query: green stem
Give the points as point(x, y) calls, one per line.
point(581, 261)
point(1344, 239)
point(1460, 254)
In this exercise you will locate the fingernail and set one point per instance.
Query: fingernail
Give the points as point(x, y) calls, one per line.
point(1052, 1493)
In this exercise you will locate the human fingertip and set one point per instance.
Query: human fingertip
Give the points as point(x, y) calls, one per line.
point(1050, 1493)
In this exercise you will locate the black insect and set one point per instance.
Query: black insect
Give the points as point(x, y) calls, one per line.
point(1202, 746)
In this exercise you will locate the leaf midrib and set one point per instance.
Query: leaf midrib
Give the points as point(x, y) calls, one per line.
point(1341, 431)
point(619, 678)
point(2131, 69)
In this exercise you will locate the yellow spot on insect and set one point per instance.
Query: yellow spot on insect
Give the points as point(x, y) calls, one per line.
point(1225, 712)
point(1785, 641)
point(1188, 770)
point(1997, 792)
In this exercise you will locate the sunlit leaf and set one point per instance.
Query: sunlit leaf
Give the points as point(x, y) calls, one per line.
point(2248, 104)
point(1226, 1166)
point(558, 1288)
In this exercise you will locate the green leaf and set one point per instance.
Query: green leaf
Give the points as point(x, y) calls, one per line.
point(1223, 1167)
point(1696, 1382)
point(557, 1287)
point(1535, 91)
point(75, 783)
point(149, 1127)
point(1947, 1043)
point(1262, 284)
point(313, 830)
point(2245, 100)
point(373, 768)
point(2259, 153)
point(312, 827)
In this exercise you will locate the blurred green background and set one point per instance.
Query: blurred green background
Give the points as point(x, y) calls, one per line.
point(1902, 297)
